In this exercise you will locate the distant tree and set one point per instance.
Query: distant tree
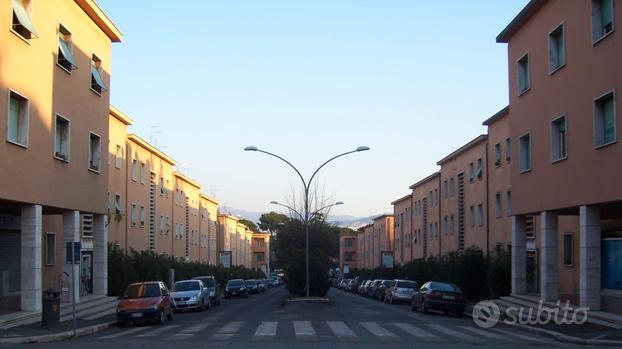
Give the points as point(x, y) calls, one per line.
point(272, 221)
point(250, 225)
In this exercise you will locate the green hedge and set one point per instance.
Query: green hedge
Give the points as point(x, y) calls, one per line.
point(479, 275)
point(133, 266)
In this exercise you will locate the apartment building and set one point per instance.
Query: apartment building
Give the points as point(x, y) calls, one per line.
point(365, 235)
point(566, 151)
point(463, 197)
point(261, 252)
point(185, 237)
point(348, 249)
point(55, 117)
point(426, 217)
point(382, 241)
point(208, 228)
point(402, 213)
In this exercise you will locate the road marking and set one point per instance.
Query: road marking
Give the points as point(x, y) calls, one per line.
point(304, 330)
point(101, 314)
point(341, 330)
point(227, 331)
point(123, 333)
point(414, 331)
point(378, 330)
point(109, 307)
point(195, 328)
point(158, 331)
point(517, 335)
point(450, 332)
point(266, 329)
point(180, 336)
point(481, 332)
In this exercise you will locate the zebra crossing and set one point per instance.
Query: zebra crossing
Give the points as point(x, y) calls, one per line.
point(325, 330)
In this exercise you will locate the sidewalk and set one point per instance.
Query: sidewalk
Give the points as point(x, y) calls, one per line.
point(92, 314)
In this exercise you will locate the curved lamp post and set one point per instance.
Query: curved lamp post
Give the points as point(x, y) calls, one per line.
point(300, 214)
point(306, 185)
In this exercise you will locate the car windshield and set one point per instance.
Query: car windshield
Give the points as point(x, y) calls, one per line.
point(235, 283)
point(439, 286)
point(389, 283)
point(251, 282)
point(186, 286)
point(142, 291)
point(406, 284)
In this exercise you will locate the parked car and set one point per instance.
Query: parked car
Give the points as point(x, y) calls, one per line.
point(252, 286)
point(342, 284)
point(261, 284)
point(381, 288)
point(190, 295)
point(371, 289)
point(144, 301)
point(439, 296)
point(213, 288)
point(236, 287)
point(402, 291)
point(359, 289)
point(272, 283)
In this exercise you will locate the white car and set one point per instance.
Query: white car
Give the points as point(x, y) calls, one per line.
point(402, 291)
point(190, 295)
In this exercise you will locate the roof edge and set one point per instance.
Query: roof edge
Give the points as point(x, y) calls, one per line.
point(403, 198)
point(532, 7)
point(498, 115)
point(463, 148)
point(426, 179)
point(151, 148)
point(187, 179)
point(119, 115)
point(100, 18)
point(209, 198)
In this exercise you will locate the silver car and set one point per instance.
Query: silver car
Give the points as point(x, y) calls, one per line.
point(401, 291)
point(190, 295)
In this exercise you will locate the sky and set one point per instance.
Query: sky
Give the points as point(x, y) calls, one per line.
point(411, 79)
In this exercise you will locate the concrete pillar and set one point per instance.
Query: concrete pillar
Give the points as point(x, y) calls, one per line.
point(30, 258)
point(519, 256)
point(100, 255)
point(71, 233)
point(549, 287)
point(589, 254)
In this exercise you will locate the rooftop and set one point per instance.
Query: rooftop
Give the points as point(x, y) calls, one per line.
point(523, 16)
point(100, 18)
point(477, 140)
point(143, 143)
point(426, 179)
point(403, 198)
point(501, 113)
point(187, 179)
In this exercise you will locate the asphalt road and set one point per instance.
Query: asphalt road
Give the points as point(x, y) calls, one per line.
point(349, 321)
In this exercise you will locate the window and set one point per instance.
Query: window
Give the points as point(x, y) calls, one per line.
point(134, 170)
point(479, 168)
point(498, 205)
point(65, 49)
point(568, 249)
point(480, 215)
point(508, 150)
point(142, 216)
point(557, 47)
point(97, 81)
point(436, 230)
point(602, 19)
point(349, 243)
point(165, 189)
point(435, 197)
point(525, 153)
point(22, 22)
point(446, 221)
point(451, 225)
point(445, 189)
point(508, 202)
point(61, 138)
point(117, 204)
point(17, 124)
point(605, 119)
point(524, 82)
point(50, 248)
point(471, 172)
point(472, 216)
point(451, 186)
point(87, 225)
point(94, 152)
point(134, 214)
point(118, 157)
point(498, 154)
point(260, 257)
point(559, 147)
point(143, 173)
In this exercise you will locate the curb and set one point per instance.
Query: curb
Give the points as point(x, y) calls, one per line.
point(563, 337)
point(57, 336)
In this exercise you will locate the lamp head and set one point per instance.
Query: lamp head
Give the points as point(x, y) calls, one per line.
point(274, 202)
point(338, 203)
point(362, 148)
point(251, 148)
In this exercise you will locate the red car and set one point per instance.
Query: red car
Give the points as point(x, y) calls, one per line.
point(144, 301)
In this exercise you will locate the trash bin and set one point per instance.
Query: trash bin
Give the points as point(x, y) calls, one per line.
point(50, 316)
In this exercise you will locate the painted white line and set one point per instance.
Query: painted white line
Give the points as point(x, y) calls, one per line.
point(102, 314)
point(482, 332)
point(341, 330)
point(378, 330)
point(450, 332)
point(231, 327)
point(414, 331)
point(180, 336)
point(158, 331)
point(517, 335)
point(304, 329)
point(195, 328)
point(266, 329)
point(91, 311)
point(123, 333)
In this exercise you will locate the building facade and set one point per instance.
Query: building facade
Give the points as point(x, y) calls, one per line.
point(426, 217)
point(402, 213)
point(261, 252)
point(348, 252)
point(56, 117)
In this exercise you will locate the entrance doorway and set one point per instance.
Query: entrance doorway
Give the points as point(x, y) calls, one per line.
point(86, 273)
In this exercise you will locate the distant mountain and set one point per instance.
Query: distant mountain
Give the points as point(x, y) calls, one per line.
point(345, 221)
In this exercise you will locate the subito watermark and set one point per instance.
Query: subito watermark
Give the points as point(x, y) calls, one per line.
point(487, 314)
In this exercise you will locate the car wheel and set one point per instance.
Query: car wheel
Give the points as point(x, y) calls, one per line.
point(413, 305)
point(391, 300)
point(209, 304)
point(161, 317)
point(170, 315)
point(423, 307)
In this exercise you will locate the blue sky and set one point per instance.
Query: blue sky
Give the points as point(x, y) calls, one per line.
point(413, 80)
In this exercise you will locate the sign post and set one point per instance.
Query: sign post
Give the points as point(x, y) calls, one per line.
point(73, 258)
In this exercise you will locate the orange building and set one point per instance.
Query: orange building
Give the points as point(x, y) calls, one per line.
point(261, 252)
point(208, 227)
point(426, 217)
point(402, 213)
point(56, 122)
point(382, 240)
point(348, 249)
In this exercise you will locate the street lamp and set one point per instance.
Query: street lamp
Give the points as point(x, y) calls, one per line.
point(300, 214)
point(306, 185)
